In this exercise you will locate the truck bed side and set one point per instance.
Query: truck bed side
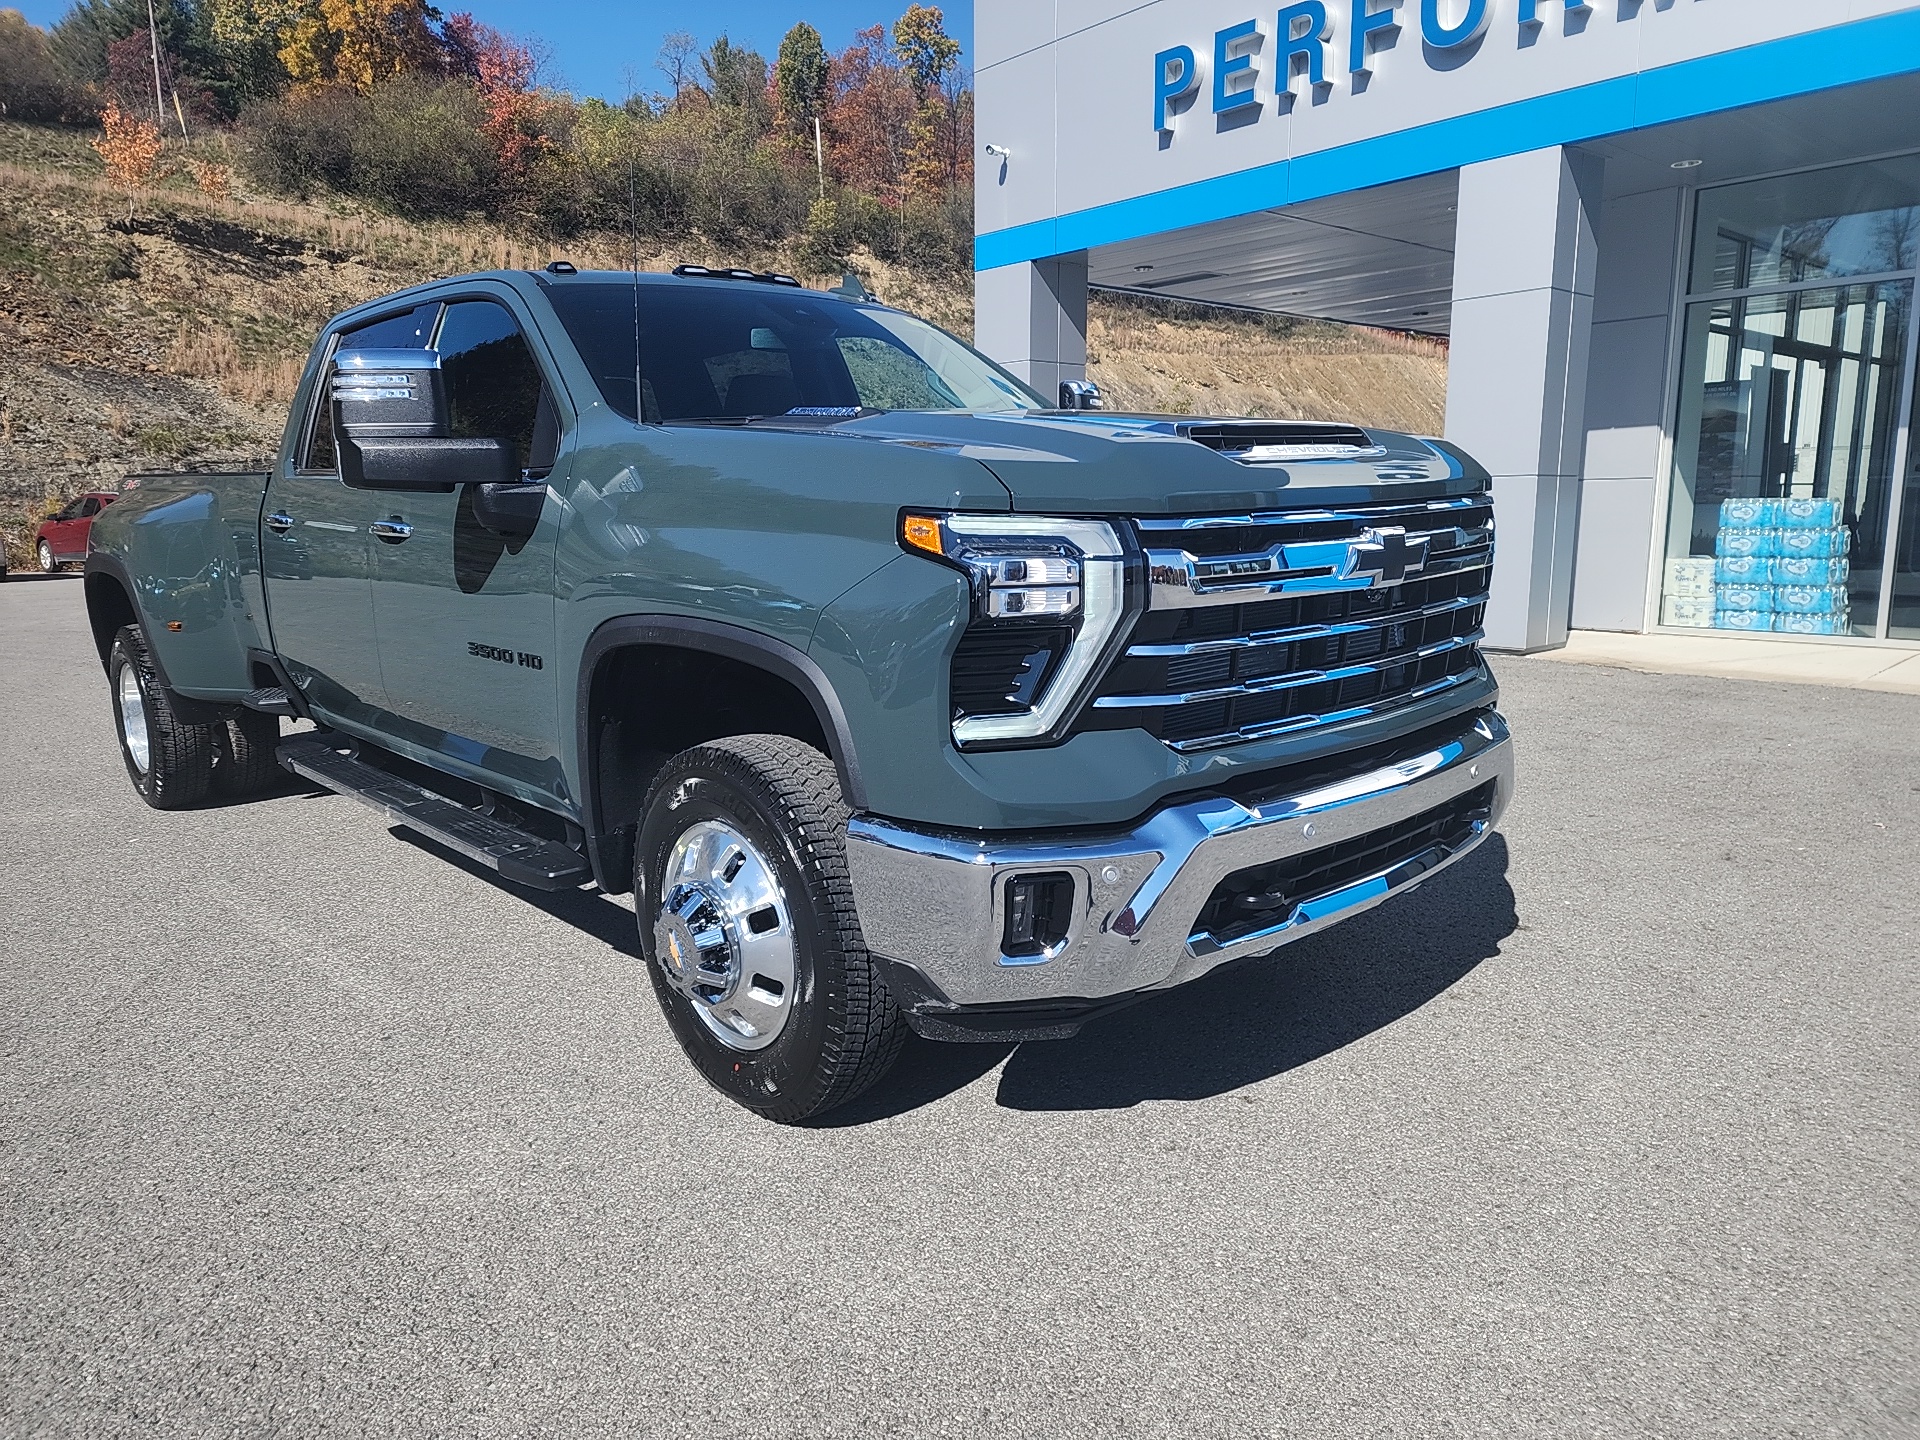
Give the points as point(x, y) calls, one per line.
point(184, 551)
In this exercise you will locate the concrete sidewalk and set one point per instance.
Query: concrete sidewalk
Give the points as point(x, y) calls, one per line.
point(1747, 657)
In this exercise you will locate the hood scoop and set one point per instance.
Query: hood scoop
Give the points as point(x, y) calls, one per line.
point(1280, 442)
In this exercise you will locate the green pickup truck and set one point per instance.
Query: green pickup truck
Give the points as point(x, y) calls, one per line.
point(897, 694)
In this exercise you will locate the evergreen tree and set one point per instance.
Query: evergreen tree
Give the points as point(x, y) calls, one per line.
point(801, 74)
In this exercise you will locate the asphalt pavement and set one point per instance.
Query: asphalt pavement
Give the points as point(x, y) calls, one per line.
point(1611, 1130)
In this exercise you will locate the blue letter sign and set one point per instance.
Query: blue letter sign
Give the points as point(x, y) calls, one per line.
point(1310, 42)
point(1175, 77)
point(1227, 65)
point(1444, 37)
point(1365, 22)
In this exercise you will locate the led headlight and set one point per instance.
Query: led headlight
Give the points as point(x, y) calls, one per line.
point(1031, 568)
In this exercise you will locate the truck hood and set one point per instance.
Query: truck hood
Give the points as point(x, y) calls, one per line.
point(1079, 462)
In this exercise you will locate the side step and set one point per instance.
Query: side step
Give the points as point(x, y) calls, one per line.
point(518, 855)
point(270, 700)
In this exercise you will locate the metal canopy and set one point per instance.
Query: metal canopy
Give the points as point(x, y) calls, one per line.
point(1385, 256)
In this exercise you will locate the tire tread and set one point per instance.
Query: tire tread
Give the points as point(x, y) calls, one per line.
point(804, 787)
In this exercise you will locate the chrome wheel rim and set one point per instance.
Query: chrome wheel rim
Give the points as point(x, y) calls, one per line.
point(133, 719)
point(723, 937)
point(46, 557)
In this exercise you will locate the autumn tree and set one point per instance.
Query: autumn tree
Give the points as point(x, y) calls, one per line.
point(921, 41)
point(870, 117)
point(359, 43)
point(129, 146)
point(802, 79)
point(245, 37)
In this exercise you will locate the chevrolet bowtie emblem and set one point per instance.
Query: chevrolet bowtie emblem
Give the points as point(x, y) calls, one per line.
point(1386, 556)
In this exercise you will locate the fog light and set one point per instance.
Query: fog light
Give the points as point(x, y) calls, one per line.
point(1039, 914)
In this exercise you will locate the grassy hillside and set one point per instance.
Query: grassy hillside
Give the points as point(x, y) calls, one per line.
point(178, 335)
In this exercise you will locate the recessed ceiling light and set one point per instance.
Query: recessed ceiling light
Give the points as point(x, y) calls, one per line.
point(1141, 269)
point(1687, 164)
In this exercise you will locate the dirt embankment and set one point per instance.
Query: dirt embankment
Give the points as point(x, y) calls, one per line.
point(177, 335)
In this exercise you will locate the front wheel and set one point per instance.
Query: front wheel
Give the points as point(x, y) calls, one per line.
point(169, 761)
point(748, 925)
point(47, 563)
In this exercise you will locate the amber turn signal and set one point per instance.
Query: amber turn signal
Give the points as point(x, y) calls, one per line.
point(921, 532)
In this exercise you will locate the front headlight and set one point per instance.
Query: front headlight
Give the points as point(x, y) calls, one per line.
point(1049, 602)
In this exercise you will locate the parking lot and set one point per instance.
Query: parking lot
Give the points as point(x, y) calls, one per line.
point(305, 1129)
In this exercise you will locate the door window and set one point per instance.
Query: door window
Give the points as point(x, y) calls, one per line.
point(89, 507)
point(409, 330)
point(494, 389)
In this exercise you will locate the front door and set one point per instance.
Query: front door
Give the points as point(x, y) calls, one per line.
point(316, 550)
point(314, 559)
point(466, 616)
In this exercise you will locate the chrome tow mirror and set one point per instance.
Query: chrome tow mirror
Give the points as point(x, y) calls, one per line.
point(1080, 395)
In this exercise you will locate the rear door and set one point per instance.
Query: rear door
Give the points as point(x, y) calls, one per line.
point(466, 616)
point(315, 542)
point(67, 534)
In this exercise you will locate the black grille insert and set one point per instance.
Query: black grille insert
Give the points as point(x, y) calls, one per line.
point(1263, 896)
point(1000, 669)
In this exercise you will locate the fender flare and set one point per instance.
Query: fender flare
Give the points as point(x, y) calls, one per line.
point(732, 642)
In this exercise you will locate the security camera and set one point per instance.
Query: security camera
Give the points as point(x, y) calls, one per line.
point(999, 152)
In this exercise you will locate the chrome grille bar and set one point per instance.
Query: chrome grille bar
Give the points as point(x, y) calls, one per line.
point(1264, 638)
point(1266, 684)
point(1382, 605)
point(1333, 551)
point(1328, 717)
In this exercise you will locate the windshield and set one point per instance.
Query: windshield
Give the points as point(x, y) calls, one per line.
point(712, 352)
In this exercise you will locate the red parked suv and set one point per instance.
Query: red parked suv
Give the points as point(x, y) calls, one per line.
point(63, 539)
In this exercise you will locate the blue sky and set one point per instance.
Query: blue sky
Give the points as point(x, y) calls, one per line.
point(594, 47)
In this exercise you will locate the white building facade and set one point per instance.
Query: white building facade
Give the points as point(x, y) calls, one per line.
point(1674, 244)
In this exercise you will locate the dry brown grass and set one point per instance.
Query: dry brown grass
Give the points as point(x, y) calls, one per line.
point(1169, 358)
point(214, 354)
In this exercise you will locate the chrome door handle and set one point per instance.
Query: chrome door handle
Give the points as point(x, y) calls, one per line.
point(278, 521)
point(391, 531)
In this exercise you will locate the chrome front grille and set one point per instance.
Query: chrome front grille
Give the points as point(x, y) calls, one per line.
point(1266, 624)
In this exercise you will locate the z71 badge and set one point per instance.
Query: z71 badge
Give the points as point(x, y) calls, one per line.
point(505, 655)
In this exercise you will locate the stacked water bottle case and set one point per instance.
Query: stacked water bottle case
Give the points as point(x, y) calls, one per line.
point(1779, 565)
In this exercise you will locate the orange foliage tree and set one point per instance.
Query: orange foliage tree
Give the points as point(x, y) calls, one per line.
point(129, 146)
point(870, 117)
point(359, 43)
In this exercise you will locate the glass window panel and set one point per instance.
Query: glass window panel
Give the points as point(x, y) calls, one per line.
point(1808, 413)
point(1903, 615)
point(1851, 220)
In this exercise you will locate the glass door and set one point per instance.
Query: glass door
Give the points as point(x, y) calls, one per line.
point(1796, 398)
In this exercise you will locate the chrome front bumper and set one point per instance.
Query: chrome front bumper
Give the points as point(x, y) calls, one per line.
point(937, 902)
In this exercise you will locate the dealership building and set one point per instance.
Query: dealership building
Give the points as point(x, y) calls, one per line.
point(1673, 244)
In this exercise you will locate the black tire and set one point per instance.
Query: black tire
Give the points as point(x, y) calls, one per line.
point(243, 755)
point(844, 1030)
point(179, 764)
point(44, 552)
